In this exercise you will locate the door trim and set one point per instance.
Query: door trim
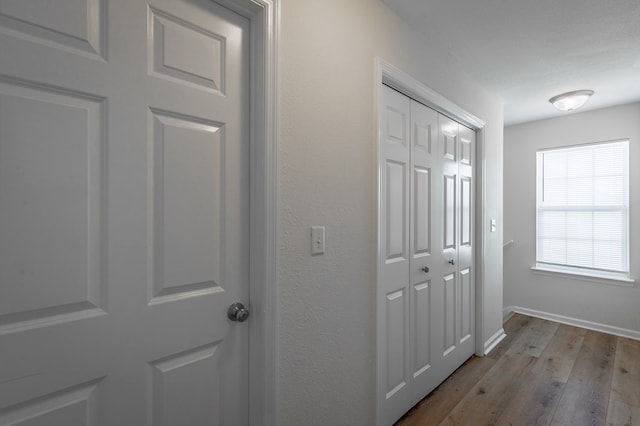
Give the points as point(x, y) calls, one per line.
point(387, 74)
point(263, 16)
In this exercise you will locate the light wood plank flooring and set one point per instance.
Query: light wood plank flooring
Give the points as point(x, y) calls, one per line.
point(542, 373)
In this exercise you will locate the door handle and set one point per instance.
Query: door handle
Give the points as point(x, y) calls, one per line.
point(452, 262)
point(425, 269)
point(237, 312)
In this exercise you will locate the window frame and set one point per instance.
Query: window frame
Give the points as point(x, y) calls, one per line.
point(588, 273)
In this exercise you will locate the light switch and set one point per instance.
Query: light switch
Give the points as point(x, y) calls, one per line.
point(317, 240)
point(493, 225)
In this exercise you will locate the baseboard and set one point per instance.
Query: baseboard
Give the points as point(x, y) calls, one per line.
point(604, 328)
point(494, 340)
point(507, 313)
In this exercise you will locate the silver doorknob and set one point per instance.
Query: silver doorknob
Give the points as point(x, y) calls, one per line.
point(237, 312)
point(425, 269)
point(453, 262)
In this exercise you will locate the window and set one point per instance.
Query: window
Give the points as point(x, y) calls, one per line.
point(582, 209)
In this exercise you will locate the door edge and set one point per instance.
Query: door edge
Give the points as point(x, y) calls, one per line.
point(263, 16)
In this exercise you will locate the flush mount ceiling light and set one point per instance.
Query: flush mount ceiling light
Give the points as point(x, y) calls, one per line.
point(571, 100)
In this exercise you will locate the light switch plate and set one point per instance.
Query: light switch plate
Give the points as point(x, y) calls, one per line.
point(493, 225)
point(317, 240)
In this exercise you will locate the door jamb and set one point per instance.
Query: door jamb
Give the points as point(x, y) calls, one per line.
point(387, 74)
point(263, 16)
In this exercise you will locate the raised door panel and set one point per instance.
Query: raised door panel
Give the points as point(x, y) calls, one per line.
point(450, 212)
point(449, 137)
point(76, 25)
point(201, 65)
point(466, 310)
point(422, 212)
point(75, 406)
point(185, 388)
point(51, 204)
point(395, 118)
point(424, 130)
point(465, 211)
point(449, 320)
point(449, 146)
point(396, 340)
point(466, 146)
point(187, 189)
point(424, 127)
point(396, 211)
point(422, 335)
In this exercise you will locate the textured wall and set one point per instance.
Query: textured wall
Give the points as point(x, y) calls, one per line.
point(605, 304)
point(328, 177)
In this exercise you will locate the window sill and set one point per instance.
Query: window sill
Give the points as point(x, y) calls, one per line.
point(602, 278)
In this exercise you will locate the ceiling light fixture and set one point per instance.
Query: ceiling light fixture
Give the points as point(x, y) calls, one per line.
point(571, 100)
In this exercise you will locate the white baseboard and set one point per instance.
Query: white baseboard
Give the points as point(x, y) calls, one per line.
point(604, 328)
point(494, 340)
point(507, 313)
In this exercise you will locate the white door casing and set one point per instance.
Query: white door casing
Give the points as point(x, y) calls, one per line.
point(426, 294)
point(121, 249)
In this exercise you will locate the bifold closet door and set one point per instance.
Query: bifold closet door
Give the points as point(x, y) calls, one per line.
point(393, 298)
point(456, 148)
point(425, 305)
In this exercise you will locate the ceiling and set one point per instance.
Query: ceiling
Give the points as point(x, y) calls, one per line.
point(526, 51)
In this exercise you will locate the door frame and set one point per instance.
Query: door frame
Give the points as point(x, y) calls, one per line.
point(263, 16)
point(387, 74)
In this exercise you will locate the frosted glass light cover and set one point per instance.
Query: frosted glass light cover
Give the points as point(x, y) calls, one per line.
point(571, 100)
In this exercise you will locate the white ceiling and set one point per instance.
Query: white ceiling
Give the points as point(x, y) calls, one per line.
point(526, 51)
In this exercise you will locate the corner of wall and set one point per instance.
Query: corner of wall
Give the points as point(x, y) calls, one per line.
point(490, 344)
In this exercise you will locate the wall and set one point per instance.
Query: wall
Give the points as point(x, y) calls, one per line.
point(606, 304)
point(327, 175)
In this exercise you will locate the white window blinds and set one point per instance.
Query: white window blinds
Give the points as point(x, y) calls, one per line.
point(583, 207)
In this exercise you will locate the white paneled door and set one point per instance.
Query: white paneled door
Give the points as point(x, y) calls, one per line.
point(124, 199)
point(426, 303)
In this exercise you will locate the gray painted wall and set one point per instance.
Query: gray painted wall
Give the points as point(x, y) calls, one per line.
point(606, 304)
point(327, 173)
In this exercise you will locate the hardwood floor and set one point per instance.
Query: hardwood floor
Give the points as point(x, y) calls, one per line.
point(542, 373)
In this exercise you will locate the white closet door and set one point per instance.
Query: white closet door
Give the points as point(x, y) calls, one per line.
point(394, 344)
point(466, 242)
point(124, 232)
point(457, 144)
point(425, 308)
point(425, 240)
